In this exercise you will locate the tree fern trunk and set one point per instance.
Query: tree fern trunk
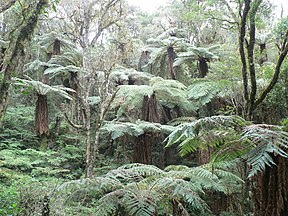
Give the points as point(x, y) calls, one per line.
point(203, 68)
point(171, 56)
point(177, 211)
point(142, 150)
point(42, 120)
point(263, 54)
point(271, 198)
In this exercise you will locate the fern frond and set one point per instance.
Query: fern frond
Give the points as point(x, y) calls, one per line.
point(171, 93)
point(46, 41)
point(265, 141)
point(37, 65)
point(61, 70)
point(109, 203)
point(202, 91)
point(119, 129)
point(124, 75)
point(44, 89)
point(69, 57)
point(140, 202)
point(188, 135)
point(130, 97)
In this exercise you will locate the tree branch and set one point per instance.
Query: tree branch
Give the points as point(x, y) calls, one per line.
point(69, 120)
point(242, 32)
point(101, 28)
point(250, 52)
point(275, 78)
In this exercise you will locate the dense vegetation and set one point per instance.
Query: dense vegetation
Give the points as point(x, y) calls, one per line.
point(109, 110)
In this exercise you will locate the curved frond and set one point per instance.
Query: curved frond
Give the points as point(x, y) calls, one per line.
point(202, 91)
point(119, 129)
point(44, 89)
point(265, 141)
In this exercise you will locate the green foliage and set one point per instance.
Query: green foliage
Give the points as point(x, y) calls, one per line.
point(130, 97)
point(172, 93)
point(196, 53)
point(119, 129)
point(202, 91)
point(138, 189)
point(46, 41)
point(65, 64)
point(188, 135)
point(18, 130)
point(27, 196)
point(37, 163)
point(232, 137)
point(44, 89)
point(159, 54)
point(122, 75)
point(264, 142)
point(169, 93)
point(281, 29)
point(9, 201)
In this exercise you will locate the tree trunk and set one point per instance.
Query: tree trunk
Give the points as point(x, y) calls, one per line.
point(171, 56)
point(271, 197)
point(263, 54)
point(203, 68)
point(56, 47)
point(16, 49)
point(42, 121)
point(142, 151)
point(176, 209)
point(4, 99)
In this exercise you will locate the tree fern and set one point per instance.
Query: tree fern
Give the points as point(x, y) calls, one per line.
point(265, 141)
point(138, 189)
point(60, 70)
point(124, 76)
point(130, 97)
point(44, 89)
point(188, 135)
point(169, 93)
point(163, 51)
point(253, 143)
point(46, 41)
point(119, 129)
point(202, 91)
point(200, 54)
point(181, 120)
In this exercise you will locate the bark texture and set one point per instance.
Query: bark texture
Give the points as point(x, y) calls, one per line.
point(142, 150)
point(271, 198)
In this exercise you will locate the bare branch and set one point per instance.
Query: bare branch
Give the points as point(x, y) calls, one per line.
point(69, 120)
point(101, 28)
